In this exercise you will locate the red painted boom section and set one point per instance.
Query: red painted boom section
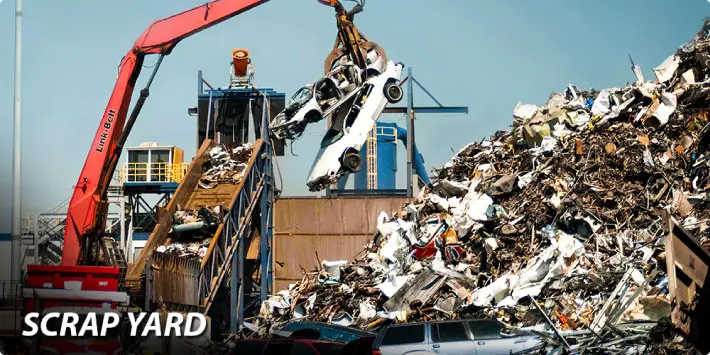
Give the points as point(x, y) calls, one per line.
point(87, 209)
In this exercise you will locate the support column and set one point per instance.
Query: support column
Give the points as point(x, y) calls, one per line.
point(410, 133)
point(234, 287)
point(267, 205)
point(122, 225)
point(16, 243)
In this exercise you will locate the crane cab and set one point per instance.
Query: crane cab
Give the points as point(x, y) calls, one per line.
point(153, 163)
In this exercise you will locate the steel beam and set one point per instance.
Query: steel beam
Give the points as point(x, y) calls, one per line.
point(428, 109)
point(410, 134)
point(267, 205)
point(16, 241)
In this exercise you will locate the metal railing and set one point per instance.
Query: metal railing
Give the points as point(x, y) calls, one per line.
point(10, 295)
point(232, 235)
point(10, 307)
point(152, 172)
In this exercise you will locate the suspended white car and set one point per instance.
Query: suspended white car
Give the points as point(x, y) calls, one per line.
point(326, 96)
point(350, 126)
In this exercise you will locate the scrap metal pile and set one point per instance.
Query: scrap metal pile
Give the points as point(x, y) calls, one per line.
point(225, 167)
point(557, 225)
point(193, 230)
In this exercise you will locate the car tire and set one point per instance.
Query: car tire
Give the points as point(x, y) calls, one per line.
point(393, 93)
point(313, 117)
point(352, 162)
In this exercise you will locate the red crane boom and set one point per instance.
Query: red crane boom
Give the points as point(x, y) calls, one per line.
point(86, 216)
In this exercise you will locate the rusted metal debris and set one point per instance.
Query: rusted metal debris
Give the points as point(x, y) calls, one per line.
point(565, 209)
point(225, 166)
point(193, 230)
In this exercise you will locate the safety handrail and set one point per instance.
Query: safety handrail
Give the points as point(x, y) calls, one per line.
point(152, 172)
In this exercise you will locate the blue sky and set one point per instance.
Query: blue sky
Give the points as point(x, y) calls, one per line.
point(484, 54)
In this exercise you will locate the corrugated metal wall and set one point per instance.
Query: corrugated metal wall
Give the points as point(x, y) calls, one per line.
point(334, 228)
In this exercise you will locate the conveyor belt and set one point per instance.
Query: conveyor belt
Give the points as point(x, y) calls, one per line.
point(192, 284)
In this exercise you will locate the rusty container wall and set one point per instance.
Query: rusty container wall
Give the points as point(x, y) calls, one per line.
point(310, 229)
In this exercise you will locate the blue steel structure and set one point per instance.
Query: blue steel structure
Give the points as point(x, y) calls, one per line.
point(223, 113)
point(388, 133)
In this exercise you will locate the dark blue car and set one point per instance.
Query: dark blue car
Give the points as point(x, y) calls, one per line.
point(330, 332)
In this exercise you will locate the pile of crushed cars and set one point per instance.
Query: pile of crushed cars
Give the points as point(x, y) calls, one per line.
point(193, 230)
point(556, 226)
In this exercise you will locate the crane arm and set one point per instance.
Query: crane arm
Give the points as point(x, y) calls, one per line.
point(350, 41)
point(86, 215)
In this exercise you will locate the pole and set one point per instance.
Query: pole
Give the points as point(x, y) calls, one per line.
point(410, 134)
point(122, 224)
point(16, 249)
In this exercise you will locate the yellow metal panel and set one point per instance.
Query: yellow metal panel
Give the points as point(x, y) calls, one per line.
point(178, 156)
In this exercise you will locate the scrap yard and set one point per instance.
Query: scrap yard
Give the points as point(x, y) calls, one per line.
point(581, 226)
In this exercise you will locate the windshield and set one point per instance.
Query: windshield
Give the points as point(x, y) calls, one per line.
point(301, 97)
point(331, 137)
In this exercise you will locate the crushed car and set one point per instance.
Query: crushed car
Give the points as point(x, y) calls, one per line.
point(349, 128)
point(326, 96)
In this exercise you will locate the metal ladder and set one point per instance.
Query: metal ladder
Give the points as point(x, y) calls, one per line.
point(372, 159)
point(114, 255)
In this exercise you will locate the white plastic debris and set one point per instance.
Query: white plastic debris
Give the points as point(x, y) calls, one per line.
point(390, 287)
point(665, 71)
point(637, 73)
point(689, 77)
point(441, 203)
point(333, 267)
point(525, 179)
point(525, 112)
point(557, 259)
point(490, 245)
point(367, 311)
point(665, 109)
point(602, 104)
point(394, 243)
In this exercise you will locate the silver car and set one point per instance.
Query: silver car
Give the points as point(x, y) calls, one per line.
point(455, 337)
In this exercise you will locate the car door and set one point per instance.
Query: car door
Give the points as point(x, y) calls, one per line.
point(405, 339)
point(451, 338)
point(488, 340)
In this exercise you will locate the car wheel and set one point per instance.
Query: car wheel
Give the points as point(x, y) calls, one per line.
point(352, 162)
point(313, 117)
point(393, 92)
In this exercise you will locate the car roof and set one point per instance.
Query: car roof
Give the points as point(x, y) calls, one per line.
point(289, 340)
point(334, 326)
point(447, 321)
